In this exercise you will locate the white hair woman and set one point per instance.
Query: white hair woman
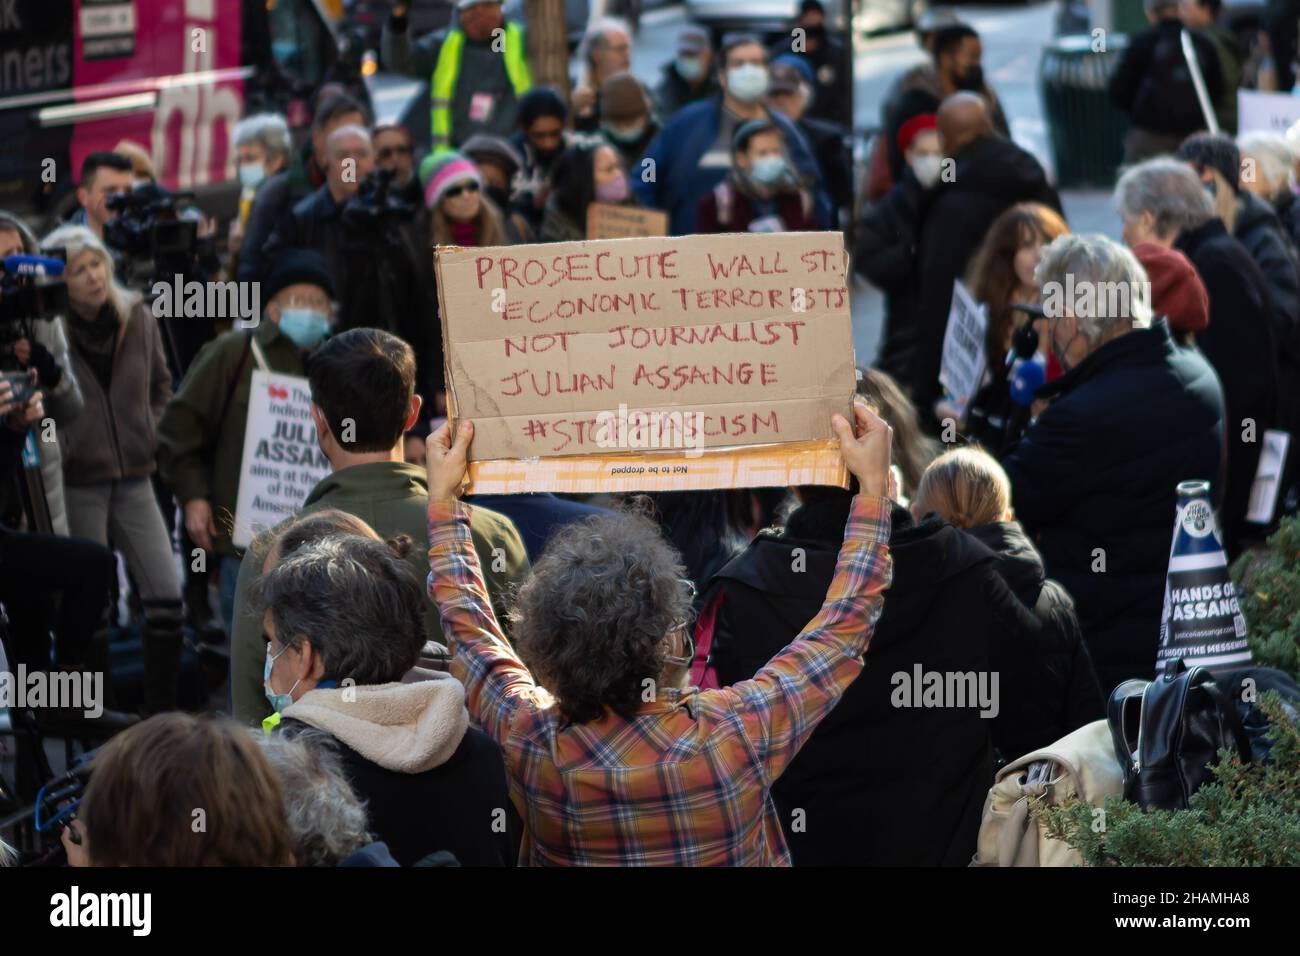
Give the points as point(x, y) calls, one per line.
point(109, 449)
point(1268, 170)
point(262, 149)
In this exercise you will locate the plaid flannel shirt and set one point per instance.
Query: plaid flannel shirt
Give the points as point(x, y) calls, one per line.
point(687, 780)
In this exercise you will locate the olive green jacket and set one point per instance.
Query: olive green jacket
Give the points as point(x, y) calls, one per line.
point(201, 434)
point(393, 498)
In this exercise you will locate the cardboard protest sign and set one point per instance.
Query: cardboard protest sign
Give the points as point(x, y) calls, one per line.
point(964, 360)
point(608, 221)
point(282, 462)
point(640, 364)
point(1272, 112)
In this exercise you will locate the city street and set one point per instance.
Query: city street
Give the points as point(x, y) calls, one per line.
point(1013, 38)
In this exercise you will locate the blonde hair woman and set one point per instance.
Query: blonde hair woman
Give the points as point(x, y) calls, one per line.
point(109, 449)
point(1048, 687)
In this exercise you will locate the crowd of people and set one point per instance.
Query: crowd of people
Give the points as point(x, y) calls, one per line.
point(680, 678)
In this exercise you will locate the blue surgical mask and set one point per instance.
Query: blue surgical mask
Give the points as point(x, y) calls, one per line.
point(251, 174)
point(279, 702)
point(747, 82)
point(768, 169)
point(690, 68)
point(306, 328)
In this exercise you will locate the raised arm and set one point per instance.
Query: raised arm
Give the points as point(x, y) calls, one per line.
point(497, 684)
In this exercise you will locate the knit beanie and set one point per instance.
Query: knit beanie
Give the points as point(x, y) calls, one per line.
point(442, 170)
point(1177, 292)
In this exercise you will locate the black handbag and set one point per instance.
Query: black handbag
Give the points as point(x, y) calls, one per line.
point(1168, 731)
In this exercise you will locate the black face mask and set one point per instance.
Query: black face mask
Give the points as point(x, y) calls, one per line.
point(972, 80)
point(817, 32)
point(499, 196)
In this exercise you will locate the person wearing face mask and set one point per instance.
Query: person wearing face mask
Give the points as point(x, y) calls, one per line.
point(809, 41)
point(790, 93)
point(762, 193)
point(201, 433)
point(1132, 412)
point(692, 153)
point(540, 140)
point(498, 165)
point(955, 65)
point(109, 449)
point(886, 244)
point(627, 117)
point(689, 75)
point(262, 149)
point(585, 174)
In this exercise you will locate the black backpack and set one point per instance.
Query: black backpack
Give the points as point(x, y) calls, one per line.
point(1168, 731)
point(1167, 89)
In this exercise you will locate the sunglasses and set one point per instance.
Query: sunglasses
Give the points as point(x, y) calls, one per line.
point(388, 152)
point(455, 191)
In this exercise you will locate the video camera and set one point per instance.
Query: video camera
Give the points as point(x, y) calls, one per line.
point(148, 224)
point(374, 204)
point(30, 289)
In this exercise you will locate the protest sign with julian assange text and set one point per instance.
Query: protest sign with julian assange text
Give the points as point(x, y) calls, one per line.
point(651, 363)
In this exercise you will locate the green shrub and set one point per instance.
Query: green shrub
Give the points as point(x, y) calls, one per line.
point(1248, 816)
point(1268, 583)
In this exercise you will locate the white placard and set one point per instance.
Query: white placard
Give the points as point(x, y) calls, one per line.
point(963, 349)
point(1268, 477)
point(282, 461)
point(1272, 112)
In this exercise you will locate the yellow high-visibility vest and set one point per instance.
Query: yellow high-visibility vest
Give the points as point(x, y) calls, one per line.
point(446, 71)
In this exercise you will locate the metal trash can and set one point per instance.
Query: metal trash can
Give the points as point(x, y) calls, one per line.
point(1085, 129)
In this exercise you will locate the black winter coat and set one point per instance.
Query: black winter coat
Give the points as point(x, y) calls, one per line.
point(1093, 481)
point(418, 814)
point(1060, 693)
point(1261, 232)
point(1153, 85)
point(879, 785)
point(886, 256)
point(829, 144)
point(991, 175)
point(1241, 345)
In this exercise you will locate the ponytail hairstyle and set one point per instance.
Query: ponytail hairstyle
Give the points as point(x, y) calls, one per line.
point(966, 487)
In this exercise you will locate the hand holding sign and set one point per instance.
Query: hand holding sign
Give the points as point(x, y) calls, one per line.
point(447, 461)
point(866, 454)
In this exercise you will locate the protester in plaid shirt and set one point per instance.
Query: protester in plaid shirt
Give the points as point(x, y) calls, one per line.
point(613, 774)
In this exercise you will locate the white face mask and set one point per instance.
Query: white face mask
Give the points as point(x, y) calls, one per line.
point(747, 82)
point(927, 169)
point(251, 174)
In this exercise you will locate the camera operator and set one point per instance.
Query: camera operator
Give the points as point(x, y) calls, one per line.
point(109, 451)
point(34, 568)
point(103, 174)
point(376, 246)
point(42, 345)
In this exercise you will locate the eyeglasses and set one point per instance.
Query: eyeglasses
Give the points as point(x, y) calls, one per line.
point(388, 152)
point(455, 191)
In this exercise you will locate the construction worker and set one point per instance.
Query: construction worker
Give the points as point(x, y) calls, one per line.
point(477, 69)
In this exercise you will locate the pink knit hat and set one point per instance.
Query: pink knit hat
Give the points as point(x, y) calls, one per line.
point(440, 171)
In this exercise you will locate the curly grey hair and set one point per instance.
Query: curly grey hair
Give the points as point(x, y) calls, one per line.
point(326, 818)
point(592, 620)
point(1168, 189)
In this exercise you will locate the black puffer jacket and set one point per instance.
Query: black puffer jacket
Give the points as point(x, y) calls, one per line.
point(1061, 693)
point(878, 784)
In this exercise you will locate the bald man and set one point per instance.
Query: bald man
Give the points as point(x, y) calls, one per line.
point(984, 174)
